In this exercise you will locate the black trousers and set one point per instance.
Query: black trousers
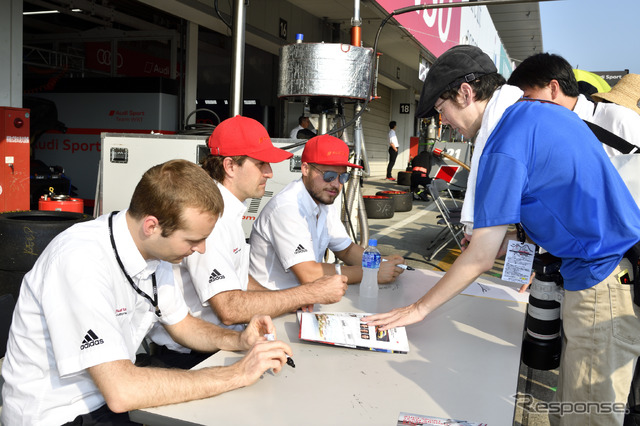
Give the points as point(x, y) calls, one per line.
point(417, 180)
point(163, 357)
point(393, 154)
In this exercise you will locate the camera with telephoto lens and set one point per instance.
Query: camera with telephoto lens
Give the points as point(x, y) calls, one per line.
point(542, 342)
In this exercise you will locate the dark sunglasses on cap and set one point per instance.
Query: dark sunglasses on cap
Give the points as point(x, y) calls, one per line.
point(330, 176)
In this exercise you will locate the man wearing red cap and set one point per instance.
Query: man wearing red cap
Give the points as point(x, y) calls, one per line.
point(216, 284)
point(293, 231)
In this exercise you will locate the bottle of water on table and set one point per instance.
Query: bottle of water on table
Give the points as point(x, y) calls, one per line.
point(369, 285)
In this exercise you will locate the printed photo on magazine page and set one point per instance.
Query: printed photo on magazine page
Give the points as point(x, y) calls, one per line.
point(346, 329)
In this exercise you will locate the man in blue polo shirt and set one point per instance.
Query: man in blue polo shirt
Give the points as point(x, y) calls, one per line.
point(539, 165)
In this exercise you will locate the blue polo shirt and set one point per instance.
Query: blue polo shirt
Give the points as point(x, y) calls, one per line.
point(543, 167)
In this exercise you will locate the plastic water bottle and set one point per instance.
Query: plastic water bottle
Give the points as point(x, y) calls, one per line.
point(369, 285)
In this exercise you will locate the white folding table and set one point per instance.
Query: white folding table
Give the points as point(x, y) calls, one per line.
point(463, 363)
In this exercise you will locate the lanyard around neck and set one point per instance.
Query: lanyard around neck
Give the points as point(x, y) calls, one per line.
point(153, 301)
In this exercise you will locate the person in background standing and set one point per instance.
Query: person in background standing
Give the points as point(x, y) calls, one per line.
point(550, 77)
point(625, 93)
point(393, 149)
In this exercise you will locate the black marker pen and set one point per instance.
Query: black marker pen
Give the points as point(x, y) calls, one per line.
point(271, 338)
point(405, 267)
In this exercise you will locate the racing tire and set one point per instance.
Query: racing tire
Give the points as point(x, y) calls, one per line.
point(10, 282)
point(402, 200)
point(404, 178)
point(378, 206)
point(24, 235)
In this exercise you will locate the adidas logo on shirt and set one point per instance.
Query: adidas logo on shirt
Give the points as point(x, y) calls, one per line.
point(215, 276)
point(300, 249)
point(90, 339)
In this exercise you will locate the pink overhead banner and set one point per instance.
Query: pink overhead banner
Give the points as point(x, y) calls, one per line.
point(436, 29)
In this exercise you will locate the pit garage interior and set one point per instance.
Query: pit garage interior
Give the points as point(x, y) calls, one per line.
point(175, 57)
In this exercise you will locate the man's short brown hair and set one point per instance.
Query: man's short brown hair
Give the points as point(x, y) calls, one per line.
point(165, 190)
point(214, 165)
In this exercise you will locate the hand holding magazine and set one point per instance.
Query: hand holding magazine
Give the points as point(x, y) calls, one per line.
point(346, 329)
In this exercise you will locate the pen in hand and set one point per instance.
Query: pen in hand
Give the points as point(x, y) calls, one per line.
point(271, 338)
point(405, 267)
point(402, 266)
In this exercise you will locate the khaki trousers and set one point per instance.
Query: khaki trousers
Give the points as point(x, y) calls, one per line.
point(601, 328)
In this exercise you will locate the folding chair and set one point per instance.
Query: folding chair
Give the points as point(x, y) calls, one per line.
point(441, 186)
point(448, 217)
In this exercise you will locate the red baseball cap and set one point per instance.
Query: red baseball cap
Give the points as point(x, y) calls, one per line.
point(245, 136)
point(327, 150)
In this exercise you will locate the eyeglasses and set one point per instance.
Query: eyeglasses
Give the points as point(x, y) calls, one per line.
point(438, 108)
point(330, 176)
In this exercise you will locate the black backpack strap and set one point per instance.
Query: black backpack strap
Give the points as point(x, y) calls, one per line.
point(613, 140)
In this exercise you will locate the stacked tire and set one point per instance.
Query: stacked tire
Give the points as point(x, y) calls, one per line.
point(23, 236)
point(404, 178)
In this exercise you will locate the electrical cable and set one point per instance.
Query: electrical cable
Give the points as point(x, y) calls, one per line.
point(346, 209)
point(215, 5)
point(199, 128)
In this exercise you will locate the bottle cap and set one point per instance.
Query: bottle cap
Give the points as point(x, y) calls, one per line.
point(299, 38)
point(373, 242)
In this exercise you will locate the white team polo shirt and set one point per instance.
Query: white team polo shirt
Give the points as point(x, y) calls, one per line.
point(292, 228)
point(393, 138)
point(76, 310)
point(222, 267)
point(617, 119)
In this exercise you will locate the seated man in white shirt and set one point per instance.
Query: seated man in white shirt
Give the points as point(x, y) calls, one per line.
point(94, 293)
point(290, 236)
point(216, 284)
point(303, 124)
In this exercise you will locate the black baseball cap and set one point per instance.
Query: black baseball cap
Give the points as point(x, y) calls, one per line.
point(462, 63)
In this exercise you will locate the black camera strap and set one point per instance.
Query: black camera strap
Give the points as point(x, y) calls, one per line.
point(611, 139)
point(633, 256)
point(521, 235)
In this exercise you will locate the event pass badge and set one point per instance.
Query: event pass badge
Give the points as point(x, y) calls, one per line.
point(518, 262)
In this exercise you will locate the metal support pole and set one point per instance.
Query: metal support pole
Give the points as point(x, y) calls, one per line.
point(323, 123)
point(11, 50)
point(356, 30)
point(353, 200)
point(237, 58)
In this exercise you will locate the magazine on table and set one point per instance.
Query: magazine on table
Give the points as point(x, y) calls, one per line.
point(418, 419)
point(346, 329)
